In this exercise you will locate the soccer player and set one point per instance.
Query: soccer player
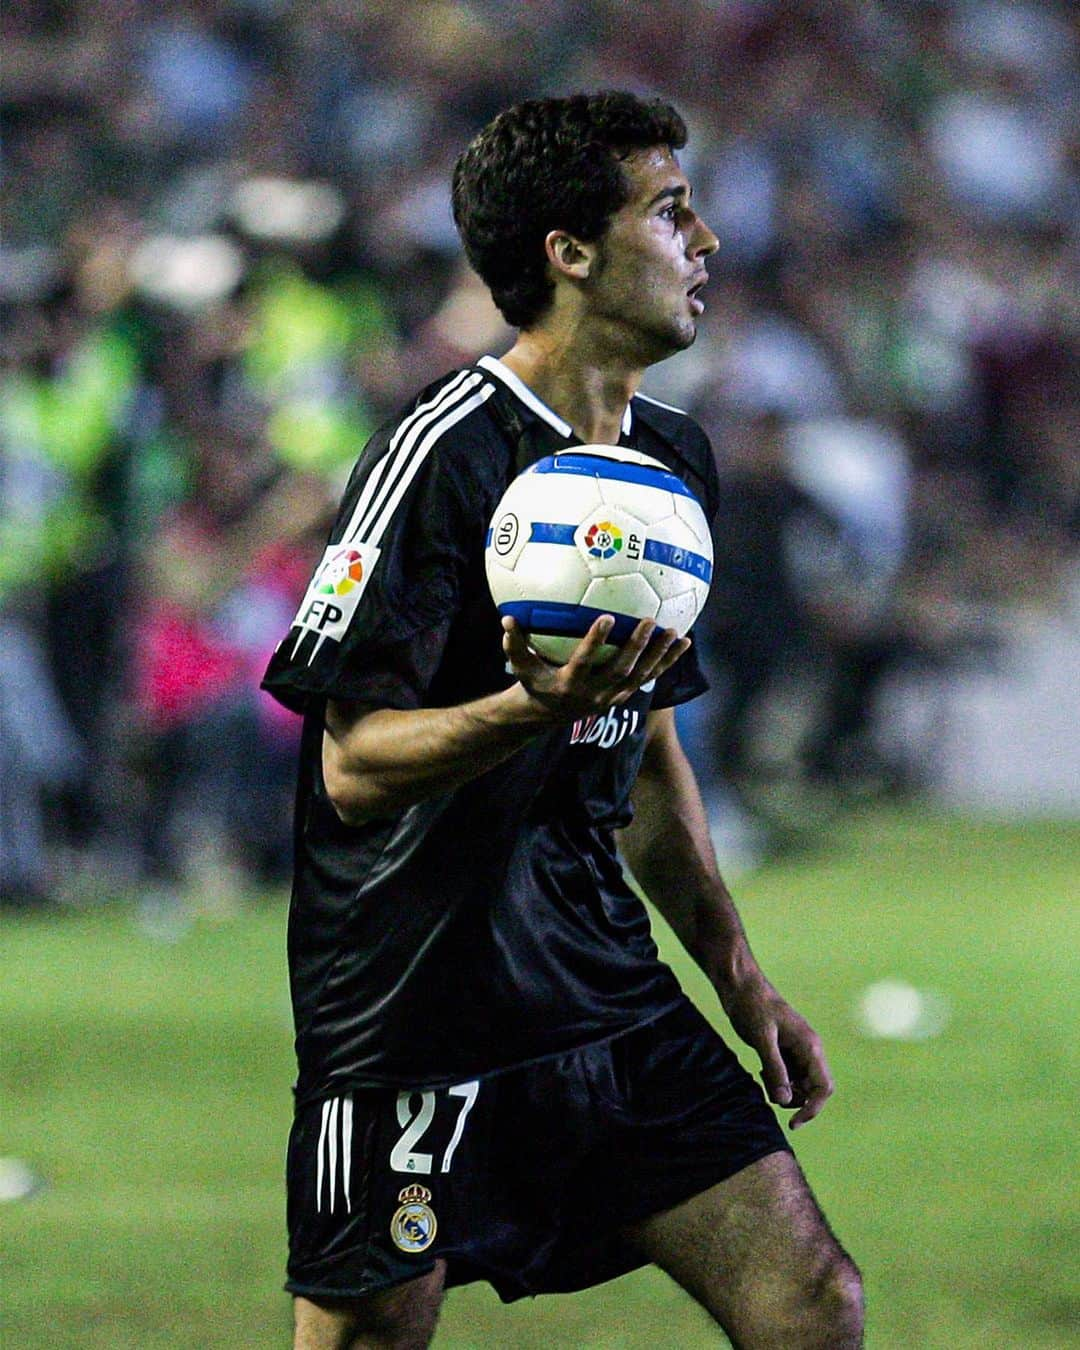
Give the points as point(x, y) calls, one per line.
point(498, 1078)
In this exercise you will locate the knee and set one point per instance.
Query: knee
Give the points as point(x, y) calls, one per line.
point(819, 1307)
point(836, 1303)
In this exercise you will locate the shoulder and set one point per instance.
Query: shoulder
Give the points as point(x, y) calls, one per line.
point(445, 429)
point(674, 426)
point(675, 437)
point(450, 421)
point(447, 412)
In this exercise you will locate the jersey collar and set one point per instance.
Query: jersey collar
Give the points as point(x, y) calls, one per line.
point(517, 386)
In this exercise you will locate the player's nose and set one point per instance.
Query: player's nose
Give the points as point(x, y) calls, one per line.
point(702, 240)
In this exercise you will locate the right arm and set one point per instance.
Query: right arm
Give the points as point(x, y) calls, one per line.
point(377, 761)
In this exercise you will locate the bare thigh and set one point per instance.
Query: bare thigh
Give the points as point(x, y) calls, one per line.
point(756, 1252)
point(401, 1318)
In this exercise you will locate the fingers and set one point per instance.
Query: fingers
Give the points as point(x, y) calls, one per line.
point(593, 640)
point(589, 680)
point(518, 652)
point(677, 649)
point(774, 1072)
point(646, 654)
point(809, 1089)
point(816, 1088)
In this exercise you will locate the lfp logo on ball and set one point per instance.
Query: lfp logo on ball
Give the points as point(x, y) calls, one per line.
point(603, 539)
point(343, 572)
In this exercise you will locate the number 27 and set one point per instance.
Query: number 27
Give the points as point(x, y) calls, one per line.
point(403, 1158)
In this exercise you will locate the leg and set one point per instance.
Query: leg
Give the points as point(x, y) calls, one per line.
point(400, 1318)
point(756, 1253)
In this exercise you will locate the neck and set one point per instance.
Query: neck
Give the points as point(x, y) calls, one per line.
point(589, 393)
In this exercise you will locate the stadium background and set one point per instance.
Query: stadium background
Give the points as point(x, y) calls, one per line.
point(227, 255)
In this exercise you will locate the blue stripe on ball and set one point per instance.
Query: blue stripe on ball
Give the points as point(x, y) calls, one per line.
point(656, 551)
point(681, 559)
point(598, 466)
point(547, 532)
point(557, 620)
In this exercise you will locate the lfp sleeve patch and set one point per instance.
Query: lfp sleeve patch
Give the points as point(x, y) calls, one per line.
point(331, 599)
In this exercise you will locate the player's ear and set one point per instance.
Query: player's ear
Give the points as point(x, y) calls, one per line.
point(569, 256)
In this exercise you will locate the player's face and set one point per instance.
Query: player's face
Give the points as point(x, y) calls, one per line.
point(651, 262)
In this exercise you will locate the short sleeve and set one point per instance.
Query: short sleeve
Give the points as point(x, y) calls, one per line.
point(684, 681)
point(373, 622)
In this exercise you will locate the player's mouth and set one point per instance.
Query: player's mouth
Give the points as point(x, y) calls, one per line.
point(693, 294)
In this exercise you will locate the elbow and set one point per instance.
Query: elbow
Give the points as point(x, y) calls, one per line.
point(349, 808)
point(354, 794)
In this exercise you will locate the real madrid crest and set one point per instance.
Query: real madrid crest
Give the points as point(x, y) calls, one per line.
point(413, 1225)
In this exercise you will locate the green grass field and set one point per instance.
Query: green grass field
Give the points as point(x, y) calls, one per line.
point(147, 1081)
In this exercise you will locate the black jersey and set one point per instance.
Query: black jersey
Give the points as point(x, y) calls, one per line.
point(491, 925)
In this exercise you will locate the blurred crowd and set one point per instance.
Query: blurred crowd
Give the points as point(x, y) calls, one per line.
point(227, 255)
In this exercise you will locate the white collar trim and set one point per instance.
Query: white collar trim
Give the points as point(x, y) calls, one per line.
point(495, 367)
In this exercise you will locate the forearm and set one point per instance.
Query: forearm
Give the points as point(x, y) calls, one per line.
point(376, 763)
point(385, 760)
point(669, 850)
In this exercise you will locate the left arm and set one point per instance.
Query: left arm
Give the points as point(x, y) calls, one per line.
point(670, 853)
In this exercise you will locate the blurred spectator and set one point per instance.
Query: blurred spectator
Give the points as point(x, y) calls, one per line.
point(39, 753)
point(757, 621)
point(228, 255)
point(858, 472)
point(219, 587)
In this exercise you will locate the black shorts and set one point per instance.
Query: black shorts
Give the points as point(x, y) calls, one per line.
point(525, 1178)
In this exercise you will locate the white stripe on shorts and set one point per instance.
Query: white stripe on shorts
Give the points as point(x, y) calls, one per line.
point(333, 1149)
point(346, 1149)
point(319, 1157)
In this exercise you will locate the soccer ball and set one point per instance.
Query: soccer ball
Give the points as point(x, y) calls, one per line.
point(598, 529)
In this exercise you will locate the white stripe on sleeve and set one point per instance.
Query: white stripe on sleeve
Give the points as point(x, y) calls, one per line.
point(413, 465)
point(380, 480)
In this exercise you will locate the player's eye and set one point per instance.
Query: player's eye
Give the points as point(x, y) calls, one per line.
point(670, 212)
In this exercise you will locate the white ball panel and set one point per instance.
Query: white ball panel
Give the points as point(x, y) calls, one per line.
point(668, 580)
point(689, 511)
point(511, 586)
point(647, 503)
point(680, 611)
point(630, 594)
point(499, 578)
point(551, 572)
point(552, 496)
point(665, 581)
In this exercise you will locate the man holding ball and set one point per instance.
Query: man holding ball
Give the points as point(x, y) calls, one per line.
point(487, 1040)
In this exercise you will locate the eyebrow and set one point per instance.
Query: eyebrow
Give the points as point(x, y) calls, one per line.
point(675, 190)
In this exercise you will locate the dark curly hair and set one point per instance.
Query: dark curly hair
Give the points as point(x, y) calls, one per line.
point(549, 164)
